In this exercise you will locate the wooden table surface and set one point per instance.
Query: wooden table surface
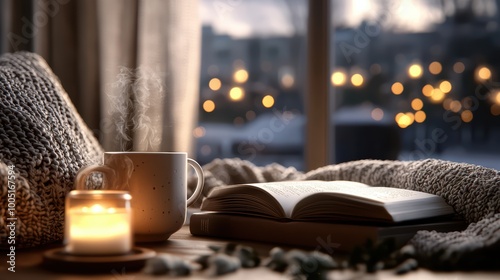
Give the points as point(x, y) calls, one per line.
point(183, 244)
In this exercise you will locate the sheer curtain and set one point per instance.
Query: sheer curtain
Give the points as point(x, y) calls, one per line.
point(131, 67)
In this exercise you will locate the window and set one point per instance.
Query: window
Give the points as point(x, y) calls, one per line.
point(409, 79)
point(251, 81)
point(426, 72)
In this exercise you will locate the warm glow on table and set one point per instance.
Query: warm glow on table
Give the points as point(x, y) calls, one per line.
point(97, 230)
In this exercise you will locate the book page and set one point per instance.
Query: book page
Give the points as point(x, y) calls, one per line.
point(383, 195)
point(289, 193)
point(320, 199)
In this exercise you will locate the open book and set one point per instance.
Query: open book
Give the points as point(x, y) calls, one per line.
point(325, 201)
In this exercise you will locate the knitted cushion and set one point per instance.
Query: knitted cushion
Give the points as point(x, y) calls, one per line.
point(43, 143)
point(473, 191)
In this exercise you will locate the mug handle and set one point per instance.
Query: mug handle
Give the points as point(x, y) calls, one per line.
point(199, 184)
point(108, 180)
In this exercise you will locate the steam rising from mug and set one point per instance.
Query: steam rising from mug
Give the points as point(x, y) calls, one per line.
point(118, 169)
point(133, 94)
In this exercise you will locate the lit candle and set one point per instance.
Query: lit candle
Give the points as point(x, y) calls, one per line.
point(98, 222)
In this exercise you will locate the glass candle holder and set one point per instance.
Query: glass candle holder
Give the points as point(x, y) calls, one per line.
point(98, 222)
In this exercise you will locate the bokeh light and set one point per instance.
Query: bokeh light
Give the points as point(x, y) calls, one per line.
point(427, 90)
point(455, 106)
point(446, 103)
point(435, 67)
point(208, 106)
point(240, 76)
point(199, 132)
point(397, 88)
point(495, 97)
point(483, 73)
point(415, 71)
point(495, 109)
point(287, 80)
point(404, 119)
point(214, 84)
point(466, 116)
point(420, 116)
point(236, 94)
point(417, 104)
point(458, 67)
point(437, 95)
point(357, 80)
point(338, 78)
point(268, 101)
point(377, 114)
point(445, 86)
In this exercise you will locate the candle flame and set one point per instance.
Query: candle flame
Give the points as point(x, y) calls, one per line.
point(97, 208)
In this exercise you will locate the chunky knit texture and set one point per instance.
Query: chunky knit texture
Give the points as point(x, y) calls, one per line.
point(473, 191)
point(45, 141)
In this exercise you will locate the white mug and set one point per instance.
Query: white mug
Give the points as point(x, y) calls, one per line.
point(157, 182)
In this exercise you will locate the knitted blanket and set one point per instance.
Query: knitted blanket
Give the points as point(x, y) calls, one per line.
point(43, 143)
point(473, 191)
